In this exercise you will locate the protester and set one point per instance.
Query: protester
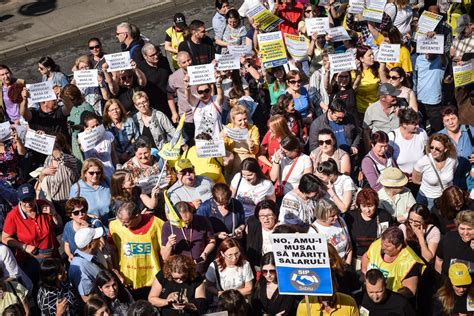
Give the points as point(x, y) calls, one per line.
point(13, 293)
point(326, 149)
point(174, 36)
point(109, 288)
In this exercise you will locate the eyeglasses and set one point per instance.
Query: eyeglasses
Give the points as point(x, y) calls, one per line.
point(94, 173)
point(204, 91)
point(266, 216)
point(118, 33)
point(232, 255)
point(77, 212)
point(327, 142)
point(270, 271)
point(295, 81)
point(114, 110)
point(393, 77)
point(187, 171)
point(94, 47)
point(436, 149)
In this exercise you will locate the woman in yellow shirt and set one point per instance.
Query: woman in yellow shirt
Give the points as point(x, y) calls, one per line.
point(368, 76)
point(394, 36)
point(241, 148)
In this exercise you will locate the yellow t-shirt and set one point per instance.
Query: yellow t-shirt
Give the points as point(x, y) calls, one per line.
point(367, 92)
point(405, 61)
point(241, 148)
point(208, 167)
point(345, 306)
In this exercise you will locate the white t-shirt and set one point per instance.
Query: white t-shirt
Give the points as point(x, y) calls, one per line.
point(103, 152)
point(208, 118)
point(295, 210)
point(10, 267)
point(429, 181)
point(336, 235)
point(294, 179)
point(231, 278)
point(266, 242)
point(249, 195)
point(401, 18)
point(343, 184)
point(408, 152)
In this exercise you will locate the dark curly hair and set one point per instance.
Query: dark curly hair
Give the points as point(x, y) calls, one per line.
point(179, 264)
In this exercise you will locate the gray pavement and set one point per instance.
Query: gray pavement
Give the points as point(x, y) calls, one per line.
point(81, 20)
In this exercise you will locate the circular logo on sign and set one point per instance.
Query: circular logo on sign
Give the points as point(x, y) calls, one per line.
point(304, 280)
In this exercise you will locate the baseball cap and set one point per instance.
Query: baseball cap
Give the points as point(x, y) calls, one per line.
point(85, 235)
point(462, 22)
point(26, 192)
point(459, 274)
point(388, 89)
point(179, 20)
point(182, 164)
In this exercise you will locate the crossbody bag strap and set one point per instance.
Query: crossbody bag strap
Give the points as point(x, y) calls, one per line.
point(469, 133)
point(289, 172)
point(436, 172)
point(238, 185)
point(218, 276)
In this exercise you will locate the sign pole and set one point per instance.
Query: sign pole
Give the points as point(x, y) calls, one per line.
point(308, 306)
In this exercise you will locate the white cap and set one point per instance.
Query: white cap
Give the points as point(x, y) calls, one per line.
point(84, 236)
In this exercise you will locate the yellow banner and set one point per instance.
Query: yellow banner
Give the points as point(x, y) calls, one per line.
point(464, 74)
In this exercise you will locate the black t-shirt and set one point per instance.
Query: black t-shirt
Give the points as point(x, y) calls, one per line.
point(452, 247)
point(393, 305)
point(146, 132)
point(202, 53)
point(51, 123)
point(188, 289)
point(261, 304)
point(460, 306)
point(157, 80)
point(125, 97)
point(362, 232)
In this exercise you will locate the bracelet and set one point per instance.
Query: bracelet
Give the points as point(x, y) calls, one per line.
point(276, 162)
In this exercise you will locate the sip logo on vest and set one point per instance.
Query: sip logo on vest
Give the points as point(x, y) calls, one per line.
point(137, 248)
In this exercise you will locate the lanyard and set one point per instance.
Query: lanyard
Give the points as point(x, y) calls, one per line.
point(188, 242)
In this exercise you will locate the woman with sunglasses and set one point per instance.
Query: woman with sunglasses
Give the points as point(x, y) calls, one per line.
point(299, 93)
point(397, 77)
point(153, 124)
point(435, 171)
point(207, 108)
point(93, 187)
point(327, 149)
point(340, 187)
point(318, 48)
point(309, 11)
point(76, 210)
point(125, 83)
point(50, 71)
point(96, 53)
point(122, 127)
point(340, 87)
point(266, 299)
point(178, 289)
point(229, 271)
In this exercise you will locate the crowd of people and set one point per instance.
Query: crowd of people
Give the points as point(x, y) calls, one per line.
point(379, 160)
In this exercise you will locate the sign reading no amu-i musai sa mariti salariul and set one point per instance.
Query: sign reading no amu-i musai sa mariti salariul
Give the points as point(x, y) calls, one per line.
point(302, 264)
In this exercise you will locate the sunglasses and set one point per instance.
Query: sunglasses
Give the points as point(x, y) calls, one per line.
point(94, 47)
point(204, 91)
point(266, 272)
point(436, 149)
point(187, 171)
point(393, 77)
point(295, 81)
point(76, 213)
point(94, 173)
point(327, 142)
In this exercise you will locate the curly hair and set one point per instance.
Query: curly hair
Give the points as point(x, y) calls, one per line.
point(452, 201)
point(179, 264)
point(447, 143)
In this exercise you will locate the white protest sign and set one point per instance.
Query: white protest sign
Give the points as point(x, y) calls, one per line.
point(426, 45)
point(201, 74)
point(210, 148)
point(374, 10)
point(356, 6)
point(148, 183)
point(227, 62)
point(41, 143)
point(118, 61)
point(90, 138)
point(42, 91)
point(302, 264)
point(316, 25)
point(338, 34)
point(238, 49)
point(5, 131)
point(389, 53)
point(224, 313)
point(428, 22)
point(237, 134)
point(86, 78)
point(341, 62)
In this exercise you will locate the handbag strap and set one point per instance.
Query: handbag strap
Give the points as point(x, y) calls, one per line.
point(437, 174)
point(289, 172)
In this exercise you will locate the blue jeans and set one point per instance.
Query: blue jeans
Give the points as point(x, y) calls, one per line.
point(422, 199)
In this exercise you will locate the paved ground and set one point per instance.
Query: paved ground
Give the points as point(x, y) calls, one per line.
point(62, 32)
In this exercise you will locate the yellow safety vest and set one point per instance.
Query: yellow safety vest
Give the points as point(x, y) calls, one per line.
point(138, 253)
point(176, 39)
point(395, 271)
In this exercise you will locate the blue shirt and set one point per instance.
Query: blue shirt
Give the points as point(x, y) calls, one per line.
point(302, 102)
point(428, 79)
point(98, 199)
point(228, 223)
point(83, 272)
point(69, 232)
point(125, 136)
point(218, 21)
point(338, 131)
